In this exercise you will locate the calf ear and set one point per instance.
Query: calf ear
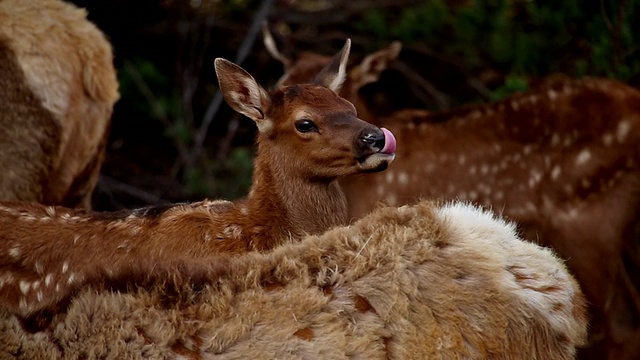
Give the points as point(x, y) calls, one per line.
point(242, 92)
point(334, 74)
point(374, 64)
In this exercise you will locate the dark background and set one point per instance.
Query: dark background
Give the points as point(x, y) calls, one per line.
point(454, 52)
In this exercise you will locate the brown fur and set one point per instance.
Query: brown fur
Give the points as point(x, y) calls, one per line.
point(44, 250)
point(561, 160)
point(58, 87)
point(446, 282)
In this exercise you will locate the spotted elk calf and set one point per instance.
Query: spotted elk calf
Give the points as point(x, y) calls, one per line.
point(561, 160)
point(308, 137)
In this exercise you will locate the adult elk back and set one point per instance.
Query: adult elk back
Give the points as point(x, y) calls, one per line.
point(308, 137)
point(57, 91)
point(562, 160)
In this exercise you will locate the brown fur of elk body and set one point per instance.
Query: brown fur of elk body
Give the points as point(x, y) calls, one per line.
point(426, 282)
point(308, 137)
point(562, 160)
point(57, 91)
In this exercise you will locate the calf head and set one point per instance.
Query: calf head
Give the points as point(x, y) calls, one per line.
point(307, 130)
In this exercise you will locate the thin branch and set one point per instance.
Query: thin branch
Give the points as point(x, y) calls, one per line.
point(443, 101)
point(243, 51)
point(474, 82)
point(225, 144)
point(157, 109)
point(605, 18)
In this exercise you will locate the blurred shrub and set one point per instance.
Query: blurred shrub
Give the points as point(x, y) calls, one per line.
point(522, 39)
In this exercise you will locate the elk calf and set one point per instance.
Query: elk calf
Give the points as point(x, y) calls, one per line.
point(57, 91)
point(308, 137)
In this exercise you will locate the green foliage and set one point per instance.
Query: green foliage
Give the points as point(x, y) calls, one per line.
point(228, 179)
point(522, 38)
point(513, 83)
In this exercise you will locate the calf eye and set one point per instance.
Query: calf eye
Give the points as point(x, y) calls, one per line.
point(305, 126)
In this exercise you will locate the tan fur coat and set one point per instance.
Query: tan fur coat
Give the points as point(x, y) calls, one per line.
point(419, 282)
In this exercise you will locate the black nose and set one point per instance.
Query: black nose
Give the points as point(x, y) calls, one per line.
point(372, 140)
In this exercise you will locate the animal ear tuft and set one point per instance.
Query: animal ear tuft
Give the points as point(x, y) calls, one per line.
point(334, 74)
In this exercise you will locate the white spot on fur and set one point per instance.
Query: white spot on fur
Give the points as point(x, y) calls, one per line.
point(535, 178)
point(527, 149)
point(48, 279)
point(14, 252)
point(472, 170)
point(65, 267)
point(583, 157)
point(623, 130)
point(72, 278)
point(50, 210)
point(555, 139)
point(75, 239)
point(39, 268)
point(403, 178)
point(607, 139)
point(389, 177)
point(25, 286)
point(555, 172)
point(552, 95)
point(462, 159)
point(39, 296)
point(484, 169)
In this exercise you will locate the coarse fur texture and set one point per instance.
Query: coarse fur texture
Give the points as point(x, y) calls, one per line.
point(58, 87)
point(562, 160)
point(423, 282)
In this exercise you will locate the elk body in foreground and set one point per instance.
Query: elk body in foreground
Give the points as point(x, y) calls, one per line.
point(308, 137)
point(418, 282)
point(562, 160)
point(57, 91)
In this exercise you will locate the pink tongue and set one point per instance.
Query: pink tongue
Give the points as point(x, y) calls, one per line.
point(389, 142)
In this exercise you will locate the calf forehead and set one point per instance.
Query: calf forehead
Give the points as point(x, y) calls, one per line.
point(318, 99)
